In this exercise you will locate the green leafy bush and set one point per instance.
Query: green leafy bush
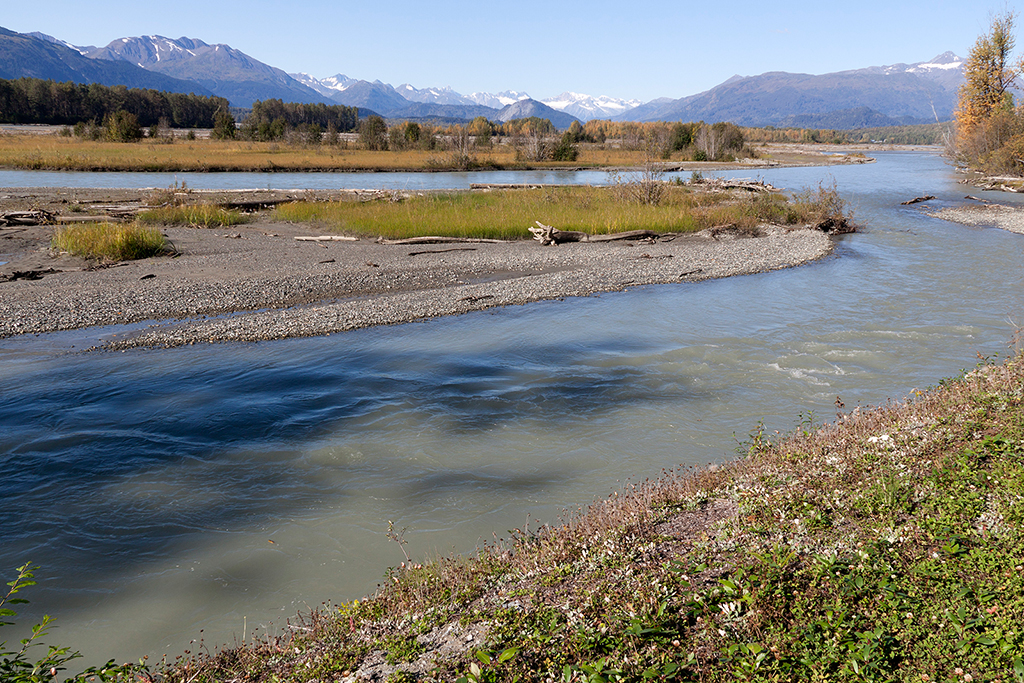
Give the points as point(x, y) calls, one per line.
point(18, 666)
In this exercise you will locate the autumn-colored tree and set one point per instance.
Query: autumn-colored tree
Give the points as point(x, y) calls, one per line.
point(988, 76)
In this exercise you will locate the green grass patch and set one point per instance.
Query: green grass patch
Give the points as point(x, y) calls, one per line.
point(194, 215)
point(507, 214)
point(110, 241)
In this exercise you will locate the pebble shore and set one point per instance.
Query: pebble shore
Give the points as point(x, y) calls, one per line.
point(999, 215)
point(258, 283)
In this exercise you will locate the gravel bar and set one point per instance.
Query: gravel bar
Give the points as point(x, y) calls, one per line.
point(995, 215)
point(257, 282)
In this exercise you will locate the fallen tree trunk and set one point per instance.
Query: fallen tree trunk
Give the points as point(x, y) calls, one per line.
point(918, 200)
point(735, 184)
point(545, 234)
point(36, 217)
point(441, 240)
point(327, 238)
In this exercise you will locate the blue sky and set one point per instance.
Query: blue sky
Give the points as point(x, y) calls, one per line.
point(639, 49)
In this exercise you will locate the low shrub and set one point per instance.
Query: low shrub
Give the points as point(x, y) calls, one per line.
point(17, 666)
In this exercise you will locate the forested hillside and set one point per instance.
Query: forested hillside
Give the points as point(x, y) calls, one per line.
point(33, 100)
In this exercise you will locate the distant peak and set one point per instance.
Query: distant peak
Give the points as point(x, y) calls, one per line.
point(946, 58)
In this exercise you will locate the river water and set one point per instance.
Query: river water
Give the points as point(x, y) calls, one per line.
point(229, 486)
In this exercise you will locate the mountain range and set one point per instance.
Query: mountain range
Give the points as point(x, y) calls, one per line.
point(27, 56)
point(889, 95)
point(874, 96)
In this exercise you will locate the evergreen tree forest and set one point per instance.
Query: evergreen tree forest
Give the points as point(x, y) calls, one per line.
point(32, 100)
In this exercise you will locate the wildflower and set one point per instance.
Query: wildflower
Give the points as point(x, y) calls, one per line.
point(968, 678)
point(958, 671)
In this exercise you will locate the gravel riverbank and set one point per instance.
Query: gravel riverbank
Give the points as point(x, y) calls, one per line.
point(258, 282)
point(999, 215)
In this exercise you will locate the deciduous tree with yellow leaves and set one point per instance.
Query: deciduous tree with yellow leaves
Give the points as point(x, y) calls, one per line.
point(989, 129)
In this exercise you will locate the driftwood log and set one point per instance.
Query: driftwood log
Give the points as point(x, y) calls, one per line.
point(441, 240)
point(35, 217)
point(327, 238)
point(545, 234)
point(918, 200)
point(736, 184)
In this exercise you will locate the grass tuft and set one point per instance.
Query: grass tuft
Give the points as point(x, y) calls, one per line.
point(194, 215)
point(110, 241)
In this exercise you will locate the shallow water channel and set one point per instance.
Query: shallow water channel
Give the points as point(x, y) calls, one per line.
point(226, 487)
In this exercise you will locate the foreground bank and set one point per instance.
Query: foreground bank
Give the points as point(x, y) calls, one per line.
point(886, 546)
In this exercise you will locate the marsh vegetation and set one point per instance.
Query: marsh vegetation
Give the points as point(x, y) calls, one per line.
point(110, 241)
point(506, 214)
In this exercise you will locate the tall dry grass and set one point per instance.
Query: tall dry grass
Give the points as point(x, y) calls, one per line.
point(110, 241)
point(53, 152)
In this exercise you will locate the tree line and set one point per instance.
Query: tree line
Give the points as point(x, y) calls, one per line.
point(33, 100)
point(273, 119)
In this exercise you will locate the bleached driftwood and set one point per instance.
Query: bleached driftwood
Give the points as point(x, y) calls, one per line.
point(546, 234)
point(35, 217)
point(441, 240)
point(327, 238)
point(736, 184)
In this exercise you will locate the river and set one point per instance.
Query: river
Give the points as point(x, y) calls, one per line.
point(226, 487)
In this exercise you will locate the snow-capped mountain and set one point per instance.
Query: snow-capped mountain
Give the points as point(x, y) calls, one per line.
point(945, 69)
point(586, 107)
point(947, 61)
point(443, 95)
point(148, 51)
point(338, 82)
point(897, 94)
point(497, 100)
point(50, 39)
point(46, 58)
point(315, 84)
point(221, 68)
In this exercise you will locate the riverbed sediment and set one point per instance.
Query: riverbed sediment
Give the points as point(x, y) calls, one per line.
point(998, 215)
point(257, 282)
